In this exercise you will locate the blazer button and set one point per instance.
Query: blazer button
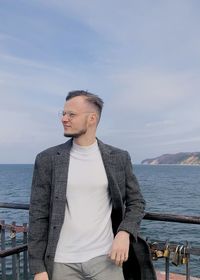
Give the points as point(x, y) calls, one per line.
point(54, 227)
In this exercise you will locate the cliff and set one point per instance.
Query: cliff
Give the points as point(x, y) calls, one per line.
point(179, 158)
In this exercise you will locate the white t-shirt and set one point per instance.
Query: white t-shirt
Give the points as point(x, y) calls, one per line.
point(87, 229)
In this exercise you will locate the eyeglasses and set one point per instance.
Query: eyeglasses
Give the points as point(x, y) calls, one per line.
point(71, 115)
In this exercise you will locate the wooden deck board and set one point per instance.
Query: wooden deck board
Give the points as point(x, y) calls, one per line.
point(173, 276)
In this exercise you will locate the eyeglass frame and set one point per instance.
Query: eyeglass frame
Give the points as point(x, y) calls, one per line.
point(71, 115)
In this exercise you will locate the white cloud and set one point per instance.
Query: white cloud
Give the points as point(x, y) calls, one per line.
point(151, 90)
point(145, 23)
point(187, 139)
point(160, 124)
point(26, 75)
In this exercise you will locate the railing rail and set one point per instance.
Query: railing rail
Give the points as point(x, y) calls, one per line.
point(12, 251)
point(148, 215)
point(20, 206)
point(172, 218)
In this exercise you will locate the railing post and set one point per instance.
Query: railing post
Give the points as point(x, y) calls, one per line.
point(13, 243)
point(3, 261)
point(25, 253)
point(188, 262)
point(166, 268)
point(18, 266)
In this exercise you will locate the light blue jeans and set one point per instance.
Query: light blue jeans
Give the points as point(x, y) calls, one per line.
point(99, 268)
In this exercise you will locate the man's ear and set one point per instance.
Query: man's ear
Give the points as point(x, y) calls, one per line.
point(94, 118)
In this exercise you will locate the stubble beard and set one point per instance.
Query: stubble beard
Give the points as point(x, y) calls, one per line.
point(77, 134)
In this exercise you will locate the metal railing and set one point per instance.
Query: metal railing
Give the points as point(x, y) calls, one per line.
point(15, 250)
point(159, 249)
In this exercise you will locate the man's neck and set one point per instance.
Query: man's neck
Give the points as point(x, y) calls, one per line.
point(84, 141)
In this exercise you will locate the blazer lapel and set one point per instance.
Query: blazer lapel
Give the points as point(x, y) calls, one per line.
point(109, 160)
point(61, 169)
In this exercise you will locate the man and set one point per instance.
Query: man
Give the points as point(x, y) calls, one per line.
point(86, 205)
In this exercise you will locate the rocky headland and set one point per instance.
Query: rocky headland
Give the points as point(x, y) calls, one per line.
point(179, 158)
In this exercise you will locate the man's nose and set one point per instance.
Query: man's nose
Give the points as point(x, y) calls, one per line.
point(65, 118)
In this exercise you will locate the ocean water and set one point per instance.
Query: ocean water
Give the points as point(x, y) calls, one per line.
point(166, 189)
point(172, 189)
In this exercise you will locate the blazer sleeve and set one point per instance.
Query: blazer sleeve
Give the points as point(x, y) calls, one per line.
point(39, 213)
point(134, 202)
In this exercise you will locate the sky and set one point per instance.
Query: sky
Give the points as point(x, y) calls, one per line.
point(141, 57)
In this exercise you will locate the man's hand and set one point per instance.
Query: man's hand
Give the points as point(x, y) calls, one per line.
point(41, 276)
point(120, 248)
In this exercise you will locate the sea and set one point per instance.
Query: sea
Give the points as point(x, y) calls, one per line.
point(173, 189)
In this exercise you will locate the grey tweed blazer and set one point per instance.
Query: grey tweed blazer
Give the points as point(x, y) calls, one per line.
point(48, 201)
